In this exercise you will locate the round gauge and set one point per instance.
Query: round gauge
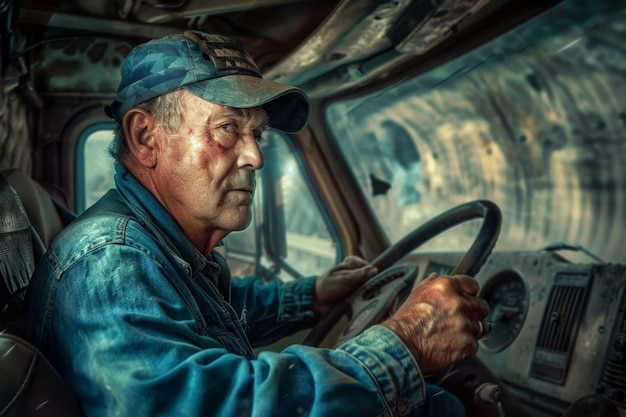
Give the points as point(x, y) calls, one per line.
point(508, 299)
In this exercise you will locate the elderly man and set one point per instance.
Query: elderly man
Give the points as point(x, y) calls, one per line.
point(137, 310)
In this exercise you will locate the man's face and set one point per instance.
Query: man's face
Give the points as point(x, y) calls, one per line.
point(206, 169)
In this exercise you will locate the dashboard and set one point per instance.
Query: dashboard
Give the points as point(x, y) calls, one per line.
point(558, 330)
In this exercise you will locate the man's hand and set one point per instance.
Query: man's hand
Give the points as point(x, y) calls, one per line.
point(441, 320)
point(340, 282)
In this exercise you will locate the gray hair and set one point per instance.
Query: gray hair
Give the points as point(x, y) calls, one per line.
point(167, 110)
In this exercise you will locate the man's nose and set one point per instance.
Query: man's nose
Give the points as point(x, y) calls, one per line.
point(251, 154)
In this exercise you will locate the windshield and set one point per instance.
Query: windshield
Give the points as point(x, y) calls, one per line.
point(534, 121)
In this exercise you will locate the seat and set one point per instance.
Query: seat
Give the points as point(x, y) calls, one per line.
point(31, 218)
point(29, 385)
point(46, 214)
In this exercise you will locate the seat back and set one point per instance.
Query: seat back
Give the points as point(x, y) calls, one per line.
point(29, 385)
point(46, 215)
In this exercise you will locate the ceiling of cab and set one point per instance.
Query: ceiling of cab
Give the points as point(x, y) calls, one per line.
point(323, 46)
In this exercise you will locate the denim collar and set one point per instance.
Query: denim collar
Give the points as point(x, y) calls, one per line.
point(154, 217)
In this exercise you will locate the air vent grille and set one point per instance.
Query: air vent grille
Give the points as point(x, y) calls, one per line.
point(559, 327)
point(615, 375)
point(612, 382)
point(561, 319)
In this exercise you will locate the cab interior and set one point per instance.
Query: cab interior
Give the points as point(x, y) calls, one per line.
point(476, 136)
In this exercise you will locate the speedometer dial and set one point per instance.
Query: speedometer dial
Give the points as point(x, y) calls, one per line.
point(507, 296)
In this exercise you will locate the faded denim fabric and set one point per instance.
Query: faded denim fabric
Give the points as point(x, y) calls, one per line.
point(138, 323)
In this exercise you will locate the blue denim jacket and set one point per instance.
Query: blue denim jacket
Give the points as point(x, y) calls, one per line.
point(139, 323)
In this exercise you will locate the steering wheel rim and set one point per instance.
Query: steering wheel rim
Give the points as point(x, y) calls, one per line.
point(470, 264)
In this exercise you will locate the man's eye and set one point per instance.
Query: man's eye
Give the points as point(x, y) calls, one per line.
point(258, 137)
point(228, 127)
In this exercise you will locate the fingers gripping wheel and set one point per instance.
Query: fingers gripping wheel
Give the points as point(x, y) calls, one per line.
point(373, 301)
point(470, 264)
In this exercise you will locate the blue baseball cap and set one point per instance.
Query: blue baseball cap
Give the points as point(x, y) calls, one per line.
point(214, 68)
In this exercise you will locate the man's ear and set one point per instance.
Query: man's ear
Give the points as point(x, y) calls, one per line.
point(139, 129)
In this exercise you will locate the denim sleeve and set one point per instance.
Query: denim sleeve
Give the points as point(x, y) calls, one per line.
point(129, 343)
point(274, 310)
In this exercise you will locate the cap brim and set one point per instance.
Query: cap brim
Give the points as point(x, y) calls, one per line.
point(287, 107)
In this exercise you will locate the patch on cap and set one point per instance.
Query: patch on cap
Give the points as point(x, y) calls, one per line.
point(224, 55)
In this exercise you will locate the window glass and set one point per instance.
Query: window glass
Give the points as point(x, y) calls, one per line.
point(94, 166)
point(533, 121)
point(308, 240)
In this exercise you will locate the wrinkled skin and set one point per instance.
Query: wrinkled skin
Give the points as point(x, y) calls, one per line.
point(341, 281)
point(440, 322)
point(202, 172)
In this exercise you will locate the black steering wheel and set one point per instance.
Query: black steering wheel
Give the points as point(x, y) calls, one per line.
point(374, 300)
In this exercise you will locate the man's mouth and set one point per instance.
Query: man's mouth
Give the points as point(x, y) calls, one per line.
point(244, 189)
